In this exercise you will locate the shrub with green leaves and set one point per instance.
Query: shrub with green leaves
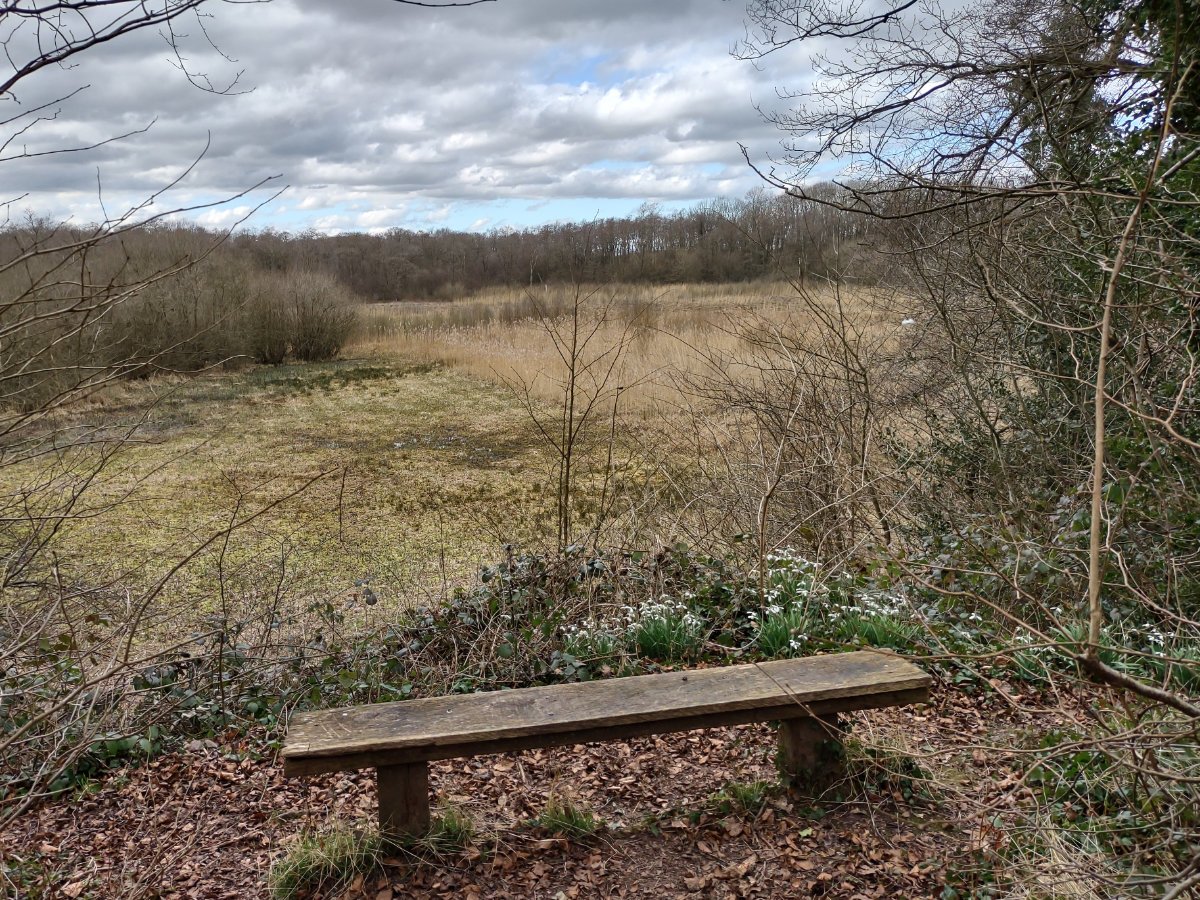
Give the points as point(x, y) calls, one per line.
point(1101, 807)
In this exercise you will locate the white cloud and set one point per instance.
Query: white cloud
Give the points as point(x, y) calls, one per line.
point(380, 219)
point(395, 113)
point(222, 217)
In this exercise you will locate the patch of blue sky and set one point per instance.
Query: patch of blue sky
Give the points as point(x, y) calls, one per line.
point(562, 66)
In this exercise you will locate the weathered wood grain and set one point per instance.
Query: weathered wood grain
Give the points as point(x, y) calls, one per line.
point(811, 757)
point(317, 765)
point(470, 724)
point(403, 800)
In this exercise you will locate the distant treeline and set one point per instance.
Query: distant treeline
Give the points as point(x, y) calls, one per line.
point(80, 306)
point(719, 241)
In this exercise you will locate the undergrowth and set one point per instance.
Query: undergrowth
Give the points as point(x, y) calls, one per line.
point(534, 619)
point(578, 615)
point(324, 860)
point(566, 817)
point(451, 831)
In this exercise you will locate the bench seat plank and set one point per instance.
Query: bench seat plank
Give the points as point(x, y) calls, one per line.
point(468, 724)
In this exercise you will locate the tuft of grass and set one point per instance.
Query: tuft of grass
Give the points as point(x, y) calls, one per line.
point(565, 816)
point(325, 859)
point(1178, 668)
point(888, 769)
point(1030, 666)
point(450, 832)
point(743, 799)
point(669, 636)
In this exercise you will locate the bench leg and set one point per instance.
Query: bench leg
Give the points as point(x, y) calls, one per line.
point(810, 757)
point(403, 800)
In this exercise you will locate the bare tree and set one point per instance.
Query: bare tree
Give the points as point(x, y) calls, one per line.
point(590, 338)
point(1032, 170)
point(85, 656)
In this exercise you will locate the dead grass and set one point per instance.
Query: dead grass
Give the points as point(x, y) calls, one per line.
point(676, 332)
point(425, 463)
point(424, 473)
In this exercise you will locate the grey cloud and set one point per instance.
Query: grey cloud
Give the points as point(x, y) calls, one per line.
point(396, 105)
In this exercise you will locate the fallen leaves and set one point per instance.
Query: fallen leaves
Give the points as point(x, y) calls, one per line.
point(222, 817)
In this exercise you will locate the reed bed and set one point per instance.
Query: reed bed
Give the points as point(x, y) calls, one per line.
point(668, 335)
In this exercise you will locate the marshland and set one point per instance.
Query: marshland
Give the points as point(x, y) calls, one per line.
point(942, 405)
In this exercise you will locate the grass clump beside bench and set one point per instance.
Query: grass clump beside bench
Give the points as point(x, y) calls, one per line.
point(399, 739)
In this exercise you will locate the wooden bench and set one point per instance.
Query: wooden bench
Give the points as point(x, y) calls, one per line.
point(399, 739)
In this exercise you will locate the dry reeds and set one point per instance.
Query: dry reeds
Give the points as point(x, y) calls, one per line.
point(677, 331)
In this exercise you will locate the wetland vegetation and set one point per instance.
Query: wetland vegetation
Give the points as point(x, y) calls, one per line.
point(946, 407)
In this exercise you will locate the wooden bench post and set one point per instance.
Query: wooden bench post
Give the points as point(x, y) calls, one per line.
point(810, 756)
point(403, 800)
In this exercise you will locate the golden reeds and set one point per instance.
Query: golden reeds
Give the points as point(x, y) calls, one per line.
point(671, 332)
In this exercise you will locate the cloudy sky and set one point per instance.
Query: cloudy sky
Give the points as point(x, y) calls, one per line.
point(375, 114)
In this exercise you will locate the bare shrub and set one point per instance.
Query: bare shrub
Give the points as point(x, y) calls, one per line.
point(1037, 201)
point(265, 321)
point(187, 322)
point(785, 424)
point(321, 315)
point(83, 308)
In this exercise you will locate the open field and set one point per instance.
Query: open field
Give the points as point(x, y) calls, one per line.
point(420, 473)
point(672, 333)
point(423, 459)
